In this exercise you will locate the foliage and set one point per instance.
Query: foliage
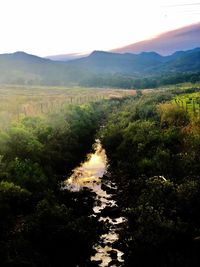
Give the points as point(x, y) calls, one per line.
point(40, 224)
point(189, 102)
point(153, 147)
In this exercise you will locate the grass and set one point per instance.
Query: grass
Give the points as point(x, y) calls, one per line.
point(17, 102)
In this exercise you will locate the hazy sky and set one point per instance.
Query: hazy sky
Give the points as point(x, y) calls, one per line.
point(48, 27)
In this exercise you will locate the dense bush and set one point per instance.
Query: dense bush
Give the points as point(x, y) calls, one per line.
point(153, 147)
point(40, 224)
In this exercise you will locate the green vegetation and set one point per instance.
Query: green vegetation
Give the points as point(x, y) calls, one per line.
point(153, 146)
point(151, 81)
point(189, 102)
point(39, 222)
point(144, 70)
point(42, 225)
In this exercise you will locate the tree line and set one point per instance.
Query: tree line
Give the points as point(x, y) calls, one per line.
point(128, 82)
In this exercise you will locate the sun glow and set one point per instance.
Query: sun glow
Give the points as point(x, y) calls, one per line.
point(68, 26)
point(90, 171)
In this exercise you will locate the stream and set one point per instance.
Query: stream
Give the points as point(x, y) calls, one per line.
point(89, 175)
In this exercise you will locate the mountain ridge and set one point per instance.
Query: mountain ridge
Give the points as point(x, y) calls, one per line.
point(23, 68)
point(166, 43)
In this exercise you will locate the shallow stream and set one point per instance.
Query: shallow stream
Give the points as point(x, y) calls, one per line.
point(90, 175)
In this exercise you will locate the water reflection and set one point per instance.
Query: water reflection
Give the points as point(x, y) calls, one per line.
point(90, 172)
point(89, 175)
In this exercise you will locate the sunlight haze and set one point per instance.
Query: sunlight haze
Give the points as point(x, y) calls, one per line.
point(71, 26)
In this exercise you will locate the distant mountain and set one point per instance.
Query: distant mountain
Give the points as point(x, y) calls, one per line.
point(22, 68)
point(182, 61)
point(67, 57)
point(106, 62)
point(185, 38)
point(145, 63)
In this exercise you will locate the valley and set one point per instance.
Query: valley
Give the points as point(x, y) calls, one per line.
point(100, 133)
point(71, 202)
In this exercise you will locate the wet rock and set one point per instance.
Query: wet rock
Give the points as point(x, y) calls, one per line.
point(113, 254)
point(95, 263)
point(107, 222)
point(108, 243)
point(98, 202)
point(104, 187)
point(112, 212)
point(113, 263)
point(109, 190)
point(118, 245)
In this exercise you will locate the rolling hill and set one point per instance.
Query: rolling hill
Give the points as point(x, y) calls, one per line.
point(22, 68)
point(145, 63)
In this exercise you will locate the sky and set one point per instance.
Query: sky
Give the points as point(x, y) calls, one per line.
point(50, 27)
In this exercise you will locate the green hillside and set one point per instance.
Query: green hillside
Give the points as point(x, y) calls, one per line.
point(24, 69)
